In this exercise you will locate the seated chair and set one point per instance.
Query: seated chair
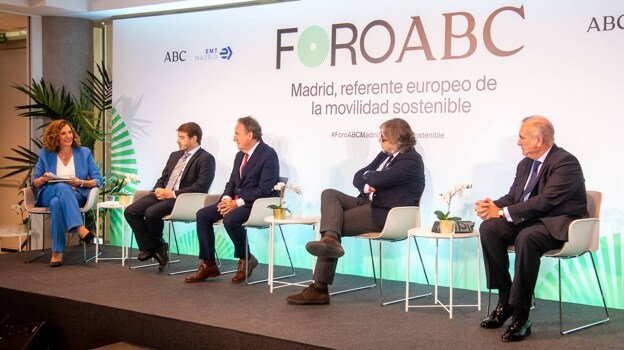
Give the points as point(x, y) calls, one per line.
point(583, 237)
point(259, 211)
point(399, 221)
point(29, 204)
point(184, 210)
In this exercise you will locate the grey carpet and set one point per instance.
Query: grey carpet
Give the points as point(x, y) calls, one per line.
point(352, 321)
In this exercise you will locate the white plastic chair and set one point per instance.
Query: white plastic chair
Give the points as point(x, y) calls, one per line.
point(184, 210)
point(399, 221)
point(583, 237)
point(29, 204)
point(186, 213)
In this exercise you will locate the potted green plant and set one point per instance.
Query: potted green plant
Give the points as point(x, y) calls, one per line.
point(279, 211)
point(86, 113)
point(447, 222)
point(23, 214)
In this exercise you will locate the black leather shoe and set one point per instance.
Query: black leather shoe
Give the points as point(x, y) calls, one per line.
point(328, 247)
point(56, 263)
point(162, 256)
point(145, 255)
point(498, 317)
point(518, 330)
point(88, 238)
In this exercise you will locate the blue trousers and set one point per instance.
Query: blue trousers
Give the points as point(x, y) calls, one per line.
point(233, 223)
point(65, 216)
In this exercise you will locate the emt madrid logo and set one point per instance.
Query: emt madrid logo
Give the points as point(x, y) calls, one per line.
point(215, 54)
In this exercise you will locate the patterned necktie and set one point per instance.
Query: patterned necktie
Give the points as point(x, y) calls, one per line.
point(244, 163)
point(387, 165)
point(532, 180)
point(177, 171)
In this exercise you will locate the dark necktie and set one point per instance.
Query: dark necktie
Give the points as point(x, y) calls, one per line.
point(177, 171)
point(387, 165)
point(532, 180)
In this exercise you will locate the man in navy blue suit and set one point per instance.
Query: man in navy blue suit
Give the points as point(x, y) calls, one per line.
point(547, 194)
point(255, 173)
point(396, 177)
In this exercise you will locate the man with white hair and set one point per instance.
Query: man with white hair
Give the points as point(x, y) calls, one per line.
point(547, 194)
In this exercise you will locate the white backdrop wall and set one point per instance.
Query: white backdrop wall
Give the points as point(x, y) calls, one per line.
point(503, 60)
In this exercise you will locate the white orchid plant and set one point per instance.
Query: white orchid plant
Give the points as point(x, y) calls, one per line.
point(281, 188)
point(120, 187)
point(458, 191)
point(20, 210)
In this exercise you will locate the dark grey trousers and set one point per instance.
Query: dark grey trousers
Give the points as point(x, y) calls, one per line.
point(341, 213)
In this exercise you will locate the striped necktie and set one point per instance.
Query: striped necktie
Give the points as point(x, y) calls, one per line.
point(177, 171)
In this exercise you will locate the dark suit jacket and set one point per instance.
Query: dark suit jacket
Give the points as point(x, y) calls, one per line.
point(401, 184)
point(558, 197)
point(197, 176)
point(260, 175)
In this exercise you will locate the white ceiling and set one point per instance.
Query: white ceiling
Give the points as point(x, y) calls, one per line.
point(104, 9)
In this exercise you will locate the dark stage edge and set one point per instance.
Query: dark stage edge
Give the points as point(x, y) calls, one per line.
point(86, 306)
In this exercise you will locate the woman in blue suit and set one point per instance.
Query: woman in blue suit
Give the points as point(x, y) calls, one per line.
point(63, 157)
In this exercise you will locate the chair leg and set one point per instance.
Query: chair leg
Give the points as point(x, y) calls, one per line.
point(86, 259)
point(175, 238)
point(604, 304)
point(374, 284)
point(84, 247)
point(29, 240)
point(292, 267)
point(130, 256)
point(402, 299)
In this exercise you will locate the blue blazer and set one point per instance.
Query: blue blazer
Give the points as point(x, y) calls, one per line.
point(401, 184)
point(86, 168)
point(260, 175)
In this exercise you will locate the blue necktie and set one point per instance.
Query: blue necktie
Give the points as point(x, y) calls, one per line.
point(532, 180)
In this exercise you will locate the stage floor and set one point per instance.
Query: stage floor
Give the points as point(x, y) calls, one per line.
point(351, 321)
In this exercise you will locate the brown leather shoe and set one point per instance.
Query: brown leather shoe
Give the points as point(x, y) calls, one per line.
point(240, 271)
point(310, 296)
point(205, 271)
point(328, 247)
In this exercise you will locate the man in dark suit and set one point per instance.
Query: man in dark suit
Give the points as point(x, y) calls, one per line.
point(255, 173)
point(547, 194)
point(396, 177)
point(191, 169)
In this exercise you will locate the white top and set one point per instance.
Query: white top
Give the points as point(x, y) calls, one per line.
point(66, 171)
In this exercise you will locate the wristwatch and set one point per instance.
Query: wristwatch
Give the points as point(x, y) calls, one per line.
point(501, 213)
